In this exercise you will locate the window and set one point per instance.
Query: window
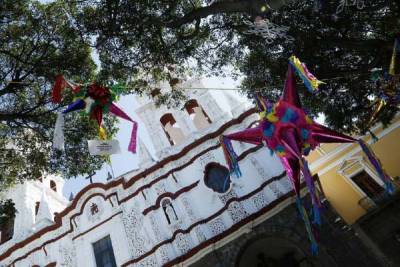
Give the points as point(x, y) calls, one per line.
point(103, 252)
point(358, 172)
point(197, 114)
point(53, 185)
point(172, 129)
point(7, 230)
point(37, 205)
point(367, 184)
point(169, 211)
point(217, 177)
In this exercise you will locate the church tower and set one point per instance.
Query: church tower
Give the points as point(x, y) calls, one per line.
point(203, 111)
point(36, 203)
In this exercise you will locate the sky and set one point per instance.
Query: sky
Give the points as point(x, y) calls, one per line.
point(126, 161)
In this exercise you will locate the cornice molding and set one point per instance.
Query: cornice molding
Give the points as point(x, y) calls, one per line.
point(58, 220)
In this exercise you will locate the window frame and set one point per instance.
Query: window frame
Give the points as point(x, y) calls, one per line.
point(94, 252)
point(358, 172)
point(362, 166)
point(169, 118)
point(189, 108)
point(218, 165)
point(170, 223)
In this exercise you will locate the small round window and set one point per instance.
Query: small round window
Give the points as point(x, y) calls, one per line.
point(217, 178)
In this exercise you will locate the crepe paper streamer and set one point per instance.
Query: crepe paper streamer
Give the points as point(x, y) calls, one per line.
point(102, 133)
point(311, 188)
point(286, 129)
point(89, 104)
point(395, 54)
point(119, 113)
point(309, 80)
point(60, 84)
point(377, 166)
point(118, 89)
point(379, 104)
point(77, 105)
point(58, 138)
point(230, 156)
point(260, 103)
point(373, 136)
point(309, 228)
point(225, 186)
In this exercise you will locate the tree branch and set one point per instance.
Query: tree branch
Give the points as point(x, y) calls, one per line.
point(223, 7)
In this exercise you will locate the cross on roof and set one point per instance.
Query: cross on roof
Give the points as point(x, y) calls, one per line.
point(90, 177)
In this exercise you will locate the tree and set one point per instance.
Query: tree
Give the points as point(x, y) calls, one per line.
point(341, 49)
point(141, 42)
point(168, 38)
point(145, 41)
point(37, 42)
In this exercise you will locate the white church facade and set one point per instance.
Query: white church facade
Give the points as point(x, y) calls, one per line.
point(181, 210)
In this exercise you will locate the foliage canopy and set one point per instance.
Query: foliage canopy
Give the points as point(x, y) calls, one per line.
point(37, 42)
point(205, 36)
point(140, 42)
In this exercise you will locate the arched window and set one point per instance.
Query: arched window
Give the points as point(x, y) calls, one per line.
point(169, 211)
point(197, 114)
point(53, 185)
point(172, 130)
point(37, 205)
point(217, 177)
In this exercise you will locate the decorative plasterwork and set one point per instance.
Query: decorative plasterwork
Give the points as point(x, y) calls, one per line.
point(94, 210)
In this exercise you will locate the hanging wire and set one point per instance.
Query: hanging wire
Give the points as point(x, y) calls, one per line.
point(182, 88)
point(212, 88)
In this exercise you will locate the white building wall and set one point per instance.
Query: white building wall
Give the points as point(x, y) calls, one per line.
point(129, 211)
point(25, 197)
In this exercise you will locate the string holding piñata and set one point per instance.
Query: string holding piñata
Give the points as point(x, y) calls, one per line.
point(96, 100)
point(286, 129)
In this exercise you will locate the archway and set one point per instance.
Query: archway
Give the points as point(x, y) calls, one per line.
point(172, 130)
point(197, 114)
point(271, 252)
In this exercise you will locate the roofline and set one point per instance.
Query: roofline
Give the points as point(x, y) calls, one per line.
point(125, 184)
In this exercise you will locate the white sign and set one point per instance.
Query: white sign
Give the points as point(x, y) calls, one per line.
point(103, 147)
